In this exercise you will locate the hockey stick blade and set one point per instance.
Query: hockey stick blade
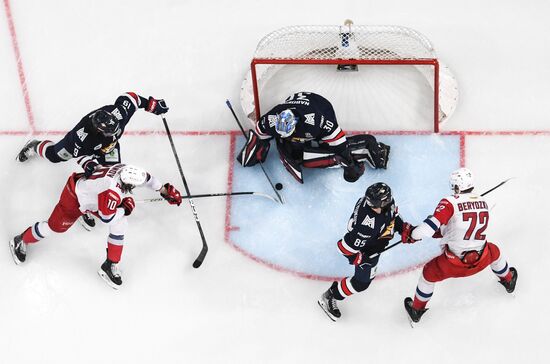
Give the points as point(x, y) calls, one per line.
point(197, 263)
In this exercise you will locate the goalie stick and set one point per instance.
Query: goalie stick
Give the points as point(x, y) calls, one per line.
point(399, 242)
point(157, 199)
point(281, 200)
point(197, 263)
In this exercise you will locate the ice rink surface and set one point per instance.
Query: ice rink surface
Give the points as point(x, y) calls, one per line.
point(61, 59)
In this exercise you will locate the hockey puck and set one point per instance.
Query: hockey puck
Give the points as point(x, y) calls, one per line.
point(279, 186)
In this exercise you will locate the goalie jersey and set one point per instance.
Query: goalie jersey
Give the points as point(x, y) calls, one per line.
point(316, 121)
point(369, 232)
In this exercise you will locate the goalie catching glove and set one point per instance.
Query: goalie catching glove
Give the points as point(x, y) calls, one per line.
point(170, 194)
point(255, 150)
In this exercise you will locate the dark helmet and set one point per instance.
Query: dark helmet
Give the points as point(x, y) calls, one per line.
point(105, 123)
point(379, 195)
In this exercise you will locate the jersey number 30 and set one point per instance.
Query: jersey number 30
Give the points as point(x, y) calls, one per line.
point(476, 219)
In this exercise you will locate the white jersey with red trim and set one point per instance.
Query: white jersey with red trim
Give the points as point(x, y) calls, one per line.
point(461, 219)
point(101, 194)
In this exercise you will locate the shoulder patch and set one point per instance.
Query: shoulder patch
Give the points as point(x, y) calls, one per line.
point(81, 134)
point(310, 118)
point(272, 119)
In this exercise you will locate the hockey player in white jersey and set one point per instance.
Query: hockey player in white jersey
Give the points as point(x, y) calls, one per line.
point(460, 220)
point(106, 195)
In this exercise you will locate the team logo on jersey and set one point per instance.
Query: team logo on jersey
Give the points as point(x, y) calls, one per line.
point(117, 114)
point(310, 119)
point(81, 134)
point(369, 221)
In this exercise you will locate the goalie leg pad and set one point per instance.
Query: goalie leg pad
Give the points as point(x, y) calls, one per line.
point(292, 165)
point(254, 151)
point(317, 158)
point(365, 147)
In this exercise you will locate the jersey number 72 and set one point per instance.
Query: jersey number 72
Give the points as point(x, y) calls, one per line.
point(476, 219)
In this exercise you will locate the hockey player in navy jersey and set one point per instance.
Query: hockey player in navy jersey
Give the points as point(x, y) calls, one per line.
point(372, 225)
point(308, 135)
point(94, 140)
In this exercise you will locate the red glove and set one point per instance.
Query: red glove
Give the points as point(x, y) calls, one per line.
point(170, 194)
point(128, 205)
point(155, 106)
point(406, 233)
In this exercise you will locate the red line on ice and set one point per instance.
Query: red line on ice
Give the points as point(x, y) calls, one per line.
point(20, 69)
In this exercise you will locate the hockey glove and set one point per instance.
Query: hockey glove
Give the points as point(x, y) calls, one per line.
point(170, 194)
point(156, 107)
point(406, 234)
point(254, 151)
point(128, 205)
point(89, 168)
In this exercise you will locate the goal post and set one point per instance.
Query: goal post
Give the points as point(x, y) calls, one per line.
point(347, 47)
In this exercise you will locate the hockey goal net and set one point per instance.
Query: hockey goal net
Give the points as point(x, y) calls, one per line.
point(331, 60)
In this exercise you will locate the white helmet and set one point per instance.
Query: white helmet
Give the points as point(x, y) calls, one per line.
point(132, 176)
point(461, 180)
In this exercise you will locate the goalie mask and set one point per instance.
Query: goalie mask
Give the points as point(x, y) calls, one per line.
point(130, 177)
point(379, 195)
point(461, 180)
point(285, 123)
point(105, 123)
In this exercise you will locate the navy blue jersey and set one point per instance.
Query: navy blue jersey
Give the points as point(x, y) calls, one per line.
point(84, 140)
point(368, 231)
point(316, 121)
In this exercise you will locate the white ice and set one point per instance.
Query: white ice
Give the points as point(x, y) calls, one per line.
point(78, 55)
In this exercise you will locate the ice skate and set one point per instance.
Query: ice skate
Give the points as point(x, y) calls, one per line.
point(510, 286)
point(18, 249)
point(414, 315)
point(87, 222)
point(28, 151)
point(110, 273)
point(328, 303)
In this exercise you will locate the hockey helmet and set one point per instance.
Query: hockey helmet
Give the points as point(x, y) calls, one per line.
point(461, 180)
point(105, 123)
point(285, 124)
point(379, 195)
point(131, 176)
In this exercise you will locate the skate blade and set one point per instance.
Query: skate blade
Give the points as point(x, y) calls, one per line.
point(330, 316)
point(411, 322)
point(12, 251)
point(84, 225)
point(104, 276)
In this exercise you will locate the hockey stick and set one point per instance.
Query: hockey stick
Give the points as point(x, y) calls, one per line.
point(261, 164)
point(483, 194)
point(157, 199)
point(197, 263)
